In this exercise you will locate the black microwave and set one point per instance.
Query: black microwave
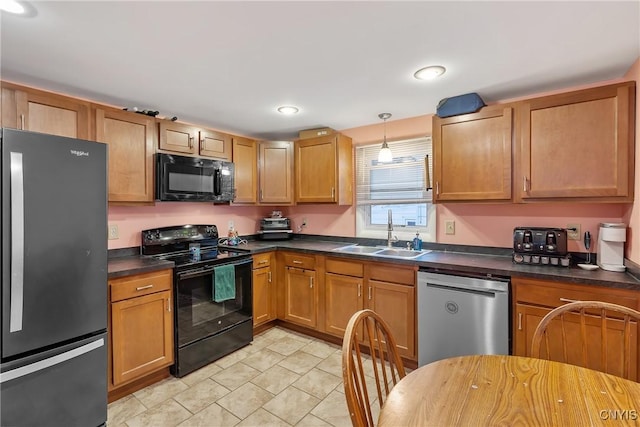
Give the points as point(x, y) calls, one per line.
point(192, 179)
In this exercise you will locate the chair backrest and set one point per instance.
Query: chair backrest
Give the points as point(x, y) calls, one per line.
point(366, 329)
point(593, 334)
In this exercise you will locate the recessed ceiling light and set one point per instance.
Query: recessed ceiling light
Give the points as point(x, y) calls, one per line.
point(288, 110)
point(11, 6)
point(430, 72)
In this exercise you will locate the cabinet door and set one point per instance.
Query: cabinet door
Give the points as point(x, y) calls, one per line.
point(178, 137)
point(214, 144)
point(263, 309)
point(316, 170)
point(578, 145)
point(396, 304)
point(276, 172)
point(131, 138)
point(45, 112)
point(531, 316)
point(301, 297)
point(343, 298)
point(245, 160)
point(142, 334)
point(472, 156)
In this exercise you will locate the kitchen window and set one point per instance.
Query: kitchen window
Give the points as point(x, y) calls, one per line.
point(402, 185)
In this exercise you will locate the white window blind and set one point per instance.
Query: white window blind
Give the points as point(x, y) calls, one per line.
point(401, 181)
point(402, 185)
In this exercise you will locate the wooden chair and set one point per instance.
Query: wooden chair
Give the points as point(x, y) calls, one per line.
point(592, 334)
point(367, 329)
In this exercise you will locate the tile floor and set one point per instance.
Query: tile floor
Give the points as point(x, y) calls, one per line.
point(282, 379)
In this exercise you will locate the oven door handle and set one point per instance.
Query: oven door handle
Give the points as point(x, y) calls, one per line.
point(203, 271)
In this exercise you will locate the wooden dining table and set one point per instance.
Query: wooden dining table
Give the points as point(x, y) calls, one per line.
point(499, 390)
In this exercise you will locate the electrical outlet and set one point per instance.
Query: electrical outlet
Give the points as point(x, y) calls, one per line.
point(449, 227)
point(573, 235)
point(113, 232)
point(230, 224)
point(304, 222)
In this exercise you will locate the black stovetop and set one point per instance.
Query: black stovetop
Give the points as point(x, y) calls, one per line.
point(173, 244)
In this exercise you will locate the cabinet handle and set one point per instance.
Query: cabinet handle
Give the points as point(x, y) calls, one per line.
point(311, 282)
point(22, 122)
point(369, 292)
point(524, 184)
point(269, 276)
point(190, 142)
point(333, 192)
point(261, 195)
point(569, 300)
point(264, 261)
point(140, 288)
point(200, 142)
point(295, 261)
point(359, 290)
point(169, 304)
point(437, 188)
point(519, 321)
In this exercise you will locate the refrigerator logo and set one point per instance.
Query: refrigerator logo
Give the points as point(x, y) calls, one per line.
point(451, 307)
point(79, 153)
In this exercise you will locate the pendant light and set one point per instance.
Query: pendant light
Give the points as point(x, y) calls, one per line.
point(385, 156)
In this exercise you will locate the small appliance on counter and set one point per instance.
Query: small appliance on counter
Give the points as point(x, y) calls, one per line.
point(611, 238)
point(275, 227)
point(540, 246)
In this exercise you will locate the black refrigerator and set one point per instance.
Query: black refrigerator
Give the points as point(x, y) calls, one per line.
point(53, 369)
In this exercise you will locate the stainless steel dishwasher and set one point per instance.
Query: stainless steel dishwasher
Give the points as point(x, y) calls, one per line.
point(461, 314)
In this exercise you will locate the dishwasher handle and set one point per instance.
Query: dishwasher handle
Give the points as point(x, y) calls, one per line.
point(490, 294)
point(463, 283)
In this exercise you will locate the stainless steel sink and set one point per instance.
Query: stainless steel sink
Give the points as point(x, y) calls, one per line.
point(382, 251)
point(401, 253)
point(355, 249)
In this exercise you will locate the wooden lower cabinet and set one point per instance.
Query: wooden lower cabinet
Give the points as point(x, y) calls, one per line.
point(387, 289)
point(533, 299)
point(140, 326)
point(263, 289)
point(343, 297)
point(301, 296)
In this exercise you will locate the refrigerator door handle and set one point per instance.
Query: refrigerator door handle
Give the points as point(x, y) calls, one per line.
point(52, 361)
point(17, 243)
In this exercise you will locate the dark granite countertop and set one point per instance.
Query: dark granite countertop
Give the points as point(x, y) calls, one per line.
point(459, 259)
point(135, 264)
point(445, 261)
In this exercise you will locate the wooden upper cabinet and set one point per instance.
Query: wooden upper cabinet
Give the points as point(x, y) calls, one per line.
point(39, 111)
point(131, 139)
point(324, 170)
point(472, 156)
point(245, 159)
point(192, 140)
point(275, 166)
point(577, 146)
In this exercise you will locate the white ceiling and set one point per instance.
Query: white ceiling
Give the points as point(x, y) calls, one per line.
point(228, 65)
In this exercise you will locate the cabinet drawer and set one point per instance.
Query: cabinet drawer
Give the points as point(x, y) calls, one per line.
point(140, 284)
point(552, 294)
point(392, 273)
point(346, 268)
point(307, 262)
point(261, 260)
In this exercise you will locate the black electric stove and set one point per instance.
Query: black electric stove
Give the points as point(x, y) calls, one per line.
point(187, 245)
point(213, 310)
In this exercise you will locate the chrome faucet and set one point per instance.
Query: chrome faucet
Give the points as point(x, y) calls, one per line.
point(390, 238)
